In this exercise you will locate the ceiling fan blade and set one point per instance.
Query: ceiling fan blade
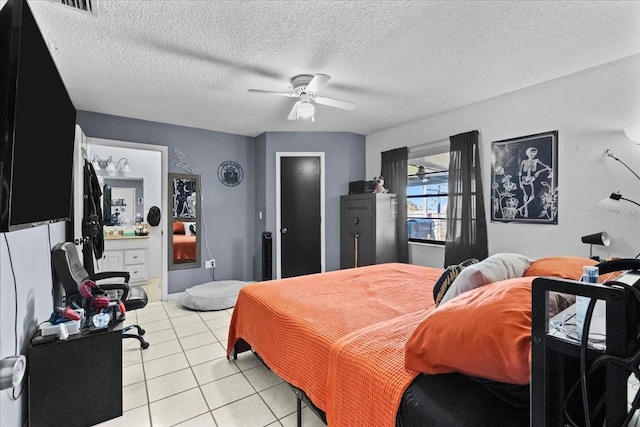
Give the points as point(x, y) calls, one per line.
point(317, 82)
point(335, 103)
point(293, 114)
point(271, 92)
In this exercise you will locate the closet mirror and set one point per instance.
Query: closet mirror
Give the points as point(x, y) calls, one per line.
point(184, 221)
point(123, 201)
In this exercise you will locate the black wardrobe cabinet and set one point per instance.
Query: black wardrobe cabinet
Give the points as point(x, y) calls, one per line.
point(368, 229)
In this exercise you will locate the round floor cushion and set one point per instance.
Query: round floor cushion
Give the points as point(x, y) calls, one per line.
point(212, 295)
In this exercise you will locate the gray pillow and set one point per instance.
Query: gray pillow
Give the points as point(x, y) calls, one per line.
point(501, 266)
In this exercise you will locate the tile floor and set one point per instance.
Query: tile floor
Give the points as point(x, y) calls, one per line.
point(185, 379)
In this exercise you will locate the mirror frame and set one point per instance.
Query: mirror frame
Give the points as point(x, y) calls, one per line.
point(170, 220)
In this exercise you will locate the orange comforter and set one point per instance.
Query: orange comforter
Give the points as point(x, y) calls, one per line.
point(368, 367)
point(184, 248)
point(293, 323)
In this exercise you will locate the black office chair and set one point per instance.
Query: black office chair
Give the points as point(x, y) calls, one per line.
point(70, 272)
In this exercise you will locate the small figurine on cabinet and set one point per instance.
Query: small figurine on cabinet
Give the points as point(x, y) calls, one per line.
point(379, 180)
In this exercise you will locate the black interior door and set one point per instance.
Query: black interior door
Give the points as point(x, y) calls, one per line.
point(300, 220)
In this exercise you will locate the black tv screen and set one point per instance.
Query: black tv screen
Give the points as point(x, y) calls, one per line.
point(37, 126)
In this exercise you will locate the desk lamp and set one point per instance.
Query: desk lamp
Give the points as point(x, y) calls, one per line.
point(601, 238)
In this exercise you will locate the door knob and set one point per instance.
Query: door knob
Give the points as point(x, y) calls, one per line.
point(284, 230)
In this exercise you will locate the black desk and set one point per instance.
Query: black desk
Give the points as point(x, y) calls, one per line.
point(78, 381)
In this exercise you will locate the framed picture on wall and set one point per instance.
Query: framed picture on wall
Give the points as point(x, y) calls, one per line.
point(524, 179)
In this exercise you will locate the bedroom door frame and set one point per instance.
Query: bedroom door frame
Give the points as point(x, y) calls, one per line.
point(321, 157)
point(163, 150)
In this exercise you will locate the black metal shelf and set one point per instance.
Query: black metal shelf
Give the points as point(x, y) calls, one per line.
point(556, 361)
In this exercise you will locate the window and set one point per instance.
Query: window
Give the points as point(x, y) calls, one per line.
point(427, 188)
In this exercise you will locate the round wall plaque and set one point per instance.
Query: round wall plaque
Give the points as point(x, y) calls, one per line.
point(230, 173)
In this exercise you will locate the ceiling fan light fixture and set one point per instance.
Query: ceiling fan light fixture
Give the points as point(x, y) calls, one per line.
point(306, 110)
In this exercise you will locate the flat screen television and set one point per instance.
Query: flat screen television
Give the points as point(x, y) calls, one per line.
point(37, 126)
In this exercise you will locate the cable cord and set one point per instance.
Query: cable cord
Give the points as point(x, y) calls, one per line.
point(15, 313)
point(631, 363)
point(610, 154)
point(206, 234)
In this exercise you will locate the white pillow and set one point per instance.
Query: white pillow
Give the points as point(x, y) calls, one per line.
point(187, 228)
point(495, 268)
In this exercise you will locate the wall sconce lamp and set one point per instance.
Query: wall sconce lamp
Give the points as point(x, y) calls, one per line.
point(601, 239)
point(109, 166)
point(125, 169)
point(99, 163)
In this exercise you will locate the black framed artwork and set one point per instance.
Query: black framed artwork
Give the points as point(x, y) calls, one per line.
point(524, 179)
point(184, 198)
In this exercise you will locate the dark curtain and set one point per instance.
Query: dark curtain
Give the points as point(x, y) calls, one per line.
point(466, 223)
point(394, 172)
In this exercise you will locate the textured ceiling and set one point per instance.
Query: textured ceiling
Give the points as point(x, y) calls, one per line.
point(191, 62)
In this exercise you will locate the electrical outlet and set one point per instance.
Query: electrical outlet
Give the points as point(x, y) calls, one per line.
point(210, 263)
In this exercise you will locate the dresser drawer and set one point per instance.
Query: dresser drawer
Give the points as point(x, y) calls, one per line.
point(137, 272)
point(135, 256)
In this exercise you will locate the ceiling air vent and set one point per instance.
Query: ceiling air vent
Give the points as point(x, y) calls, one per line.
point(87, 6)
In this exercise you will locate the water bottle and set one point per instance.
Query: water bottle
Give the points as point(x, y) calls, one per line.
point(590, 275)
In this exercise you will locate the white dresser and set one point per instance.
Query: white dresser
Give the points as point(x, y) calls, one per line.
point(127, 254)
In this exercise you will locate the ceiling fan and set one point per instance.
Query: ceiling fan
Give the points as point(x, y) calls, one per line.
point(306, 87)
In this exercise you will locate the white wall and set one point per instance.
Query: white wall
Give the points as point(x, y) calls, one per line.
point(26, 284)
point(589, 109)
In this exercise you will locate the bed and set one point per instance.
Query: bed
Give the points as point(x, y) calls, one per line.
point(184, 242)
point(342, 340)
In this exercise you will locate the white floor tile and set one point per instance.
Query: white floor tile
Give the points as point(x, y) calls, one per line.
point(145, 317)
point(185, 320)
point(309, 419)
point(209, 315)
point(221, 333)
point(134, 395)
point(151, 308)
point(204, 420)
point(170, 384)
point(198, 340)
point(214, 370)
point(248, 412)
point(177, 310)
point(247, 360)
point(162, 349)
point(226, 390)
point(191, 329)
point(281, 399)
point(163, 335)
point(138, 417)
point(132, 374)
point(157, 326)
point(205, 353)
point(217, 323)
point(178, 408)
point(131, 356)
point(262, 378)
point(165, 365)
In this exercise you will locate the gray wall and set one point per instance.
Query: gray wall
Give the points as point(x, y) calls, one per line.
point(233, 227)
point(228, 212)
point(344, 162)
